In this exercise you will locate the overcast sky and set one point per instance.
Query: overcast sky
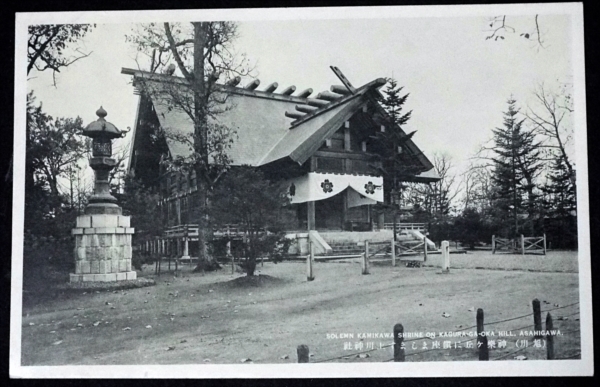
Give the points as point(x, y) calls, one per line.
point(458, 81)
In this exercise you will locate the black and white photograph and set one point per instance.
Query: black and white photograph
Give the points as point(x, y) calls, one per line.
point(301, 192)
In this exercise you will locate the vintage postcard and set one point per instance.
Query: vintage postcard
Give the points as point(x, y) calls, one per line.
point(315, 192)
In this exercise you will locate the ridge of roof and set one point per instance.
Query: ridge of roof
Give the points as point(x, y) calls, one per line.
point(375, 84)
point(154, 77)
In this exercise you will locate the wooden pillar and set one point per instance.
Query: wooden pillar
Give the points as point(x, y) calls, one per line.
point(425, 248)
point(493, 244)
point(381, 221)
point(310, 209)
point(482, 342)
point(303, 353)
point(310, 260)
point(522, 244)
point(347, 142)
point(549, 338)
point(365, 261)
point(537, 317)
point(544, 244)
point(344, 208)
point(186, 248)
point(399, 354)
point(228, 248)
point(393, 253)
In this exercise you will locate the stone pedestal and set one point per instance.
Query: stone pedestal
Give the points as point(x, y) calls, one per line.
point(103, 248)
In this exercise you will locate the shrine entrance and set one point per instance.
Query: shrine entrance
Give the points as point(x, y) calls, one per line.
point(337, 213)
point(329, 213)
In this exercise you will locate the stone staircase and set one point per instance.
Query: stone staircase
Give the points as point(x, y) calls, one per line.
point(345, 248)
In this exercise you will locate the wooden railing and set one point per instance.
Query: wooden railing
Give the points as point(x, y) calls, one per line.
point(191, 230)
point(182, 230)
point(405, 226)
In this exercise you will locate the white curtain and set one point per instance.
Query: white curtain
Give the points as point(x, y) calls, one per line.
point(355, 199)
point(318, 186)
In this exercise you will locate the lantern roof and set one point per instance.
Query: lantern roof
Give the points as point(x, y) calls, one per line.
point(102, 128)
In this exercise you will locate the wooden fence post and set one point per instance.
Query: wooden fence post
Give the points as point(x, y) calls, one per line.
point(482, 344)
point(493, 244)
point(157, 271)
point(425, 248)
point(399, 354)
point(549, 338)
point(445, 257)
point(537, 317)
point(228, 252)
point(309, 262)
point(365, 262)
point(302, 351)
point(544, 244)
point(393, 253)
point(522, 244)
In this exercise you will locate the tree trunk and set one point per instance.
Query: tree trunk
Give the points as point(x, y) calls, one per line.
point(251, 256)
point(200, 133)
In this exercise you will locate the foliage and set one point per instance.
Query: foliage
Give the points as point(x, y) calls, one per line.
point(49, 46)
point(388, 147)
point(470, 228)
point(141, 203)
point(393, 103)
point(560, 206)
point(516, 166)
point(203, 53)
point(53, 148)
point(246, 198)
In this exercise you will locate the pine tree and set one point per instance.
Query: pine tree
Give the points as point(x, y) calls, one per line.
point(388, 145)
point(560, 205)
point(516, 167)
point(393, 103)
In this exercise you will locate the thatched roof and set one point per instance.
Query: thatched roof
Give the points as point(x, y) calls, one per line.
point(269, 126)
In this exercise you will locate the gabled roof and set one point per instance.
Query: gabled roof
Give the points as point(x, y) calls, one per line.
point(270, 126)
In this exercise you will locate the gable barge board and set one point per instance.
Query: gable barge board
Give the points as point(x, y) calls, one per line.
point(313, 143)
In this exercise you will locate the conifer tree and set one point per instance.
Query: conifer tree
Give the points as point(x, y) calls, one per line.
point(560, 205)
point(516, 167)
point(388, 144)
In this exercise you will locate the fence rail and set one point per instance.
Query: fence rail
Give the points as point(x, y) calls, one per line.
point(522, 244)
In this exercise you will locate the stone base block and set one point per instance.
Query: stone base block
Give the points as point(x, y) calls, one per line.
point(109, 277)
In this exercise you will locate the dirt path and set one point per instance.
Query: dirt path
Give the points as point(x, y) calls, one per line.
point(209, 318)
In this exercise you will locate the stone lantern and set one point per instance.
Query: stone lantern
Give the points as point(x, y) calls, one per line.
point(102, 235)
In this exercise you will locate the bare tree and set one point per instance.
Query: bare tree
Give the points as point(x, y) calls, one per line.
point(117, 175)
point(50, 46)
point(499, 29)
point(203, 53)
point(477, 187)
point(551, 119)
point(436, 198)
